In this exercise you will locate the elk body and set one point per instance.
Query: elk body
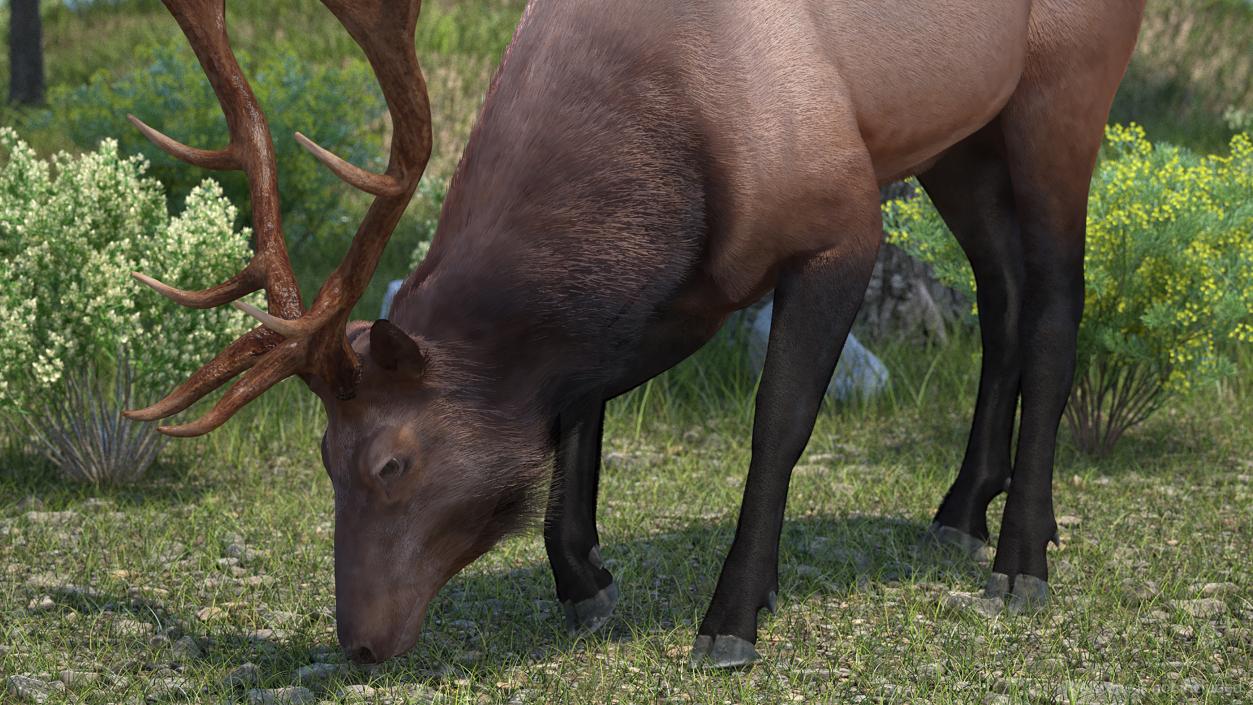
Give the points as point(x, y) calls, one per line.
point(640, 170)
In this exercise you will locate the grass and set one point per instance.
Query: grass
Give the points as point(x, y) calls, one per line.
point(114, 586)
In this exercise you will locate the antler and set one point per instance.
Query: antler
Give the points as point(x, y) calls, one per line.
point(290, 339)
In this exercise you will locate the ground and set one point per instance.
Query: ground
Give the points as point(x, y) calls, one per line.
point(211, 581)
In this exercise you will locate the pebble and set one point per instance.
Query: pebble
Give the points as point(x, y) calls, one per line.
point(965, 601)
point(74, 679)
point(31, 690)
point(1219, 589)
point(169, 687)
point(130, 627)
point(1067, 521)
point(244, 675)
point(241, 552)
point(1204, 608)
point(316, 672)
point(50, 517)
point(43, 603)
point(205, 614)
point(357, 693)
point(186, 649)
point(290, 695)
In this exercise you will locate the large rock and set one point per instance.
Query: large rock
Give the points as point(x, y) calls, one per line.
point(859, 373)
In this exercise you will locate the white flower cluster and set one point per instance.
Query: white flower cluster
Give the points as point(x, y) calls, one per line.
point(72, 229)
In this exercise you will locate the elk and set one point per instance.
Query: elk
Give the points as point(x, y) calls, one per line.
point(641, 169)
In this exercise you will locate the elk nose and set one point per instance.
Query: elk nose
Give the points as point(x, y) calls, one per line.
point(362, 654)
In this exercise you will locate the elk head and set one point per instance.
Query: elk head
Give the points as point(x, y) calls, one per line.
point(414, 497)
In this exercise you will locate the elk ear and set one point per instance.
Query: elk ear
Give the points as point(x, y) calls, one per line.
point(393, 349)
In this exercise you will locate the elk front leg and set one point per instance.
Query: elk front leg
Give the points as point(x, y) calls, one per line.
point(815, 302)
point(586, 590)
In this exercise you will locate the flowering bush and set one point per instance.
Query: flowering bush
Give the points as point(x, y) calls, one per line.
point(71, 231)
point(1169, 271)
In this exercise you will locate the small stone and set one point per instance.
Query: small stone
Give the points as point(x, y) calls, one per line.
point(1204, 608)
point(357, 693)
point(74, 679)
point(186, 649)
point(242, 553)
point(30, 690)
point(1219, 589)
point(244, 675)
point(131, 627)
point(316, 672)
point(1067, 521)
point(50, 517)
point(964, 601)
point(169, 687)
point(43, 603)
point(206, 614)
point(996, 699)
point(291, 695)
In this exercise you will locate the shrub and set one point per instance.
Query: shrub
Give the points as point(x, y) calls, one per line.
point(338, 105)
point(1169, 271)
point(71, 231)
point(83, 432)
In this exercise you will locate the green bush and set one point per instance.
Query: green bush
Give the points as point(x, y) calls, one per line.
point(339, 106)
point(1169, 272)
point(71, 231)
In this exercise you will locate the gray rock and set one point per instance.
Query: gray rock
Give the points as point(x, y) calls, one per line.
point(43, 603)
point(74, 679)
point(357, 693)
point(169, 688)
point(291, 695)
point(316, 672)
point(971, 602)
point(1204, 608)
point(50, 517)
point(31, 690)
point(1219, 589)
point(859, 373)
point(242, 676)
point(186, 649)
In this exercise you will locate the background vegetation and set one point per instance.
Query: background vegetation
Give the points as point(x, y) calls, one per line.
point(213, 576)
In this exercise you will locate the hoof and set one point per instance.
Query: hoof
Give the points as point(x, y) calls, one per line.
point(946, 536)
point(588, 616)
point(722, 651)
point(1028, 593)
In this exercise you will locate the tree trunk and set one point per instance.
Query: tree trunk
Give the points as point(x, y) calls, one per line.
point(26, 57)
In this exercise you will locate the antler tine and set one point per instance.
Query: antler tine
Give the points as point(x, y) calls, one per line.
point(384, 29)
point(218, 159)
point(278, 364)
point(368, 181)
point(237, 357)
point(239, 285)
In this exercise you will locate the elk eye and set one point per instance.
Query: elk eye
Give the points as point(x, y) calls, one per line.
point(391, 469)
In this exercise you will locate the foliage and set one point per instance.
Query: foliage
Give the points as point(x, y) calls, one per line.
point(1169, 270)
point(1193, 64)
point(72, 229)
point(82, 430)
point(337, 106)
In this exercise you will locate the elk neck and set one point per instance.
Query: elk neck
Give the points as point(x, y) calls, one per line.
point(575, 218)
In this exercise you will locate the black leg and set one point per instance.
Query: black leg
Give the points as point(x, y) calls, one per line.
point(815, 303)
point(971, 188)
point(585, 588)
point(1051, 165)
point(1052, 307)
